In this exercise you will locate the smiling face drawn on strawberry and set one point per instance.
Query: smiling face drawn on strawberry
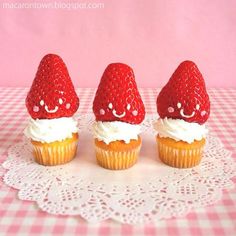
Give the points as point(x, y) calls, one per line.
point(117, 97)
point(111, 111)
point(52, 94)
point(53, 105)
point(127, 109)
point(185, 96)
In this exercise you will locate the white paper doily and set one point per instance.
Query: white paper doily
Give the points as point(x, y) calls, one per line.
point(149, 191)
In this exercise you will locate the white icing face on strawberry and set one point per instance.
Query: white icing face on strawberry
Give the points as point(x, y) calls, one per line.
point(183, 114)
point(185, 111)
point(115, 113)
point(51, 105)
point(45, 106)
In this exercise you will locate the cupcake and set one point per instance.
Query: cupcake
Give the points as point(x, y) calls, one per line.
point(51, 103)
point(183, 106)
point(119, 110)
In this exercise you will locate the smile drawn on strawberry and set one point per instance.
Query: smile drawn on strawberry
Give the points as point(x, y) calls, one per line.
point(114, 112)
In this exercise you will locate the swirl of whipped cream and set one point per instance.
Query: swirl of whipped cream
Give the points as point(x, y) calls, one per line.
point(50, 130)
point(178, 129)
point(115, 130)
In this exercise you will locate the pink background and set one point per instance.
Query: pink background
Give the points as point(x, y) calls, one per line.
point(151, 36)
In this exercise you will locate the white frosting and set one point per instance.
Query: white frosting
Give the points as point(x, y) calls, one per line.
point(115, 130)
point(178, 129)
point(50, 130)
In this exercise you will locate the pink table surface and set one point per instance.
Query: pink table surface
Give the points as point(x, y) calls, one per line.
point(24, 218)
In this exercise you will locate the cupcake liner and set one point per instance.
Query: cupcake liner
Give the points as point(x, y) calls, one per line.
point(117, 160)
point(180, 157)
point(55, 154)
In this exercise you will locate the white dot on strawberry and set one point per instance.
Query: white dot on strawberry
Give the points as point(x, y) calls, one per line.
point(128, 107)
point(179, 105)
point(41, 102)
point(68, 106)
point(203, 113)
point(110, 105)
point(135, 113)
point(60, 101)
point(197, 107)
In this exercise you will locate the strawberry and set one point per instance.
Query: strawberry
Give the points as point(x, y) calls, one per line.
point(117, 97)
point(52, 94)
point(185, 96)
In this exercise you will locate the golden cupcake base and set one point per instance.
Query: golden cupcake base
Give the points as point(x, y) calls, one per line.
point(117, 155)
point(55, 153)
point(180, 154)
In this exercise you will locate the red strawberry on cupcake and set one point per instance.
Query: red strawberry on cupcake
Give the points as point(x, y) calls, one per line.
point(52, 102)
point(117, 97)
point(119, 110)
point(52, 94)
point(184, 106)
point(185, 96)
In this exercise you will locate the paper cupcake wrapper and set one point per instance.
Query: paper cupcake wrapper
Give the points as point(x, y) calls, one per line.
point(117, 160)
point(180, 158)
point(52, 155)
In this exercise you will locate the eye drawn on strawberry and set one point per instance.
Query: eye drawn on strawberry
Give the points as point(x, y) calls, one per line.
point(185, 96)
point(52, 94)
point(117, 97)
